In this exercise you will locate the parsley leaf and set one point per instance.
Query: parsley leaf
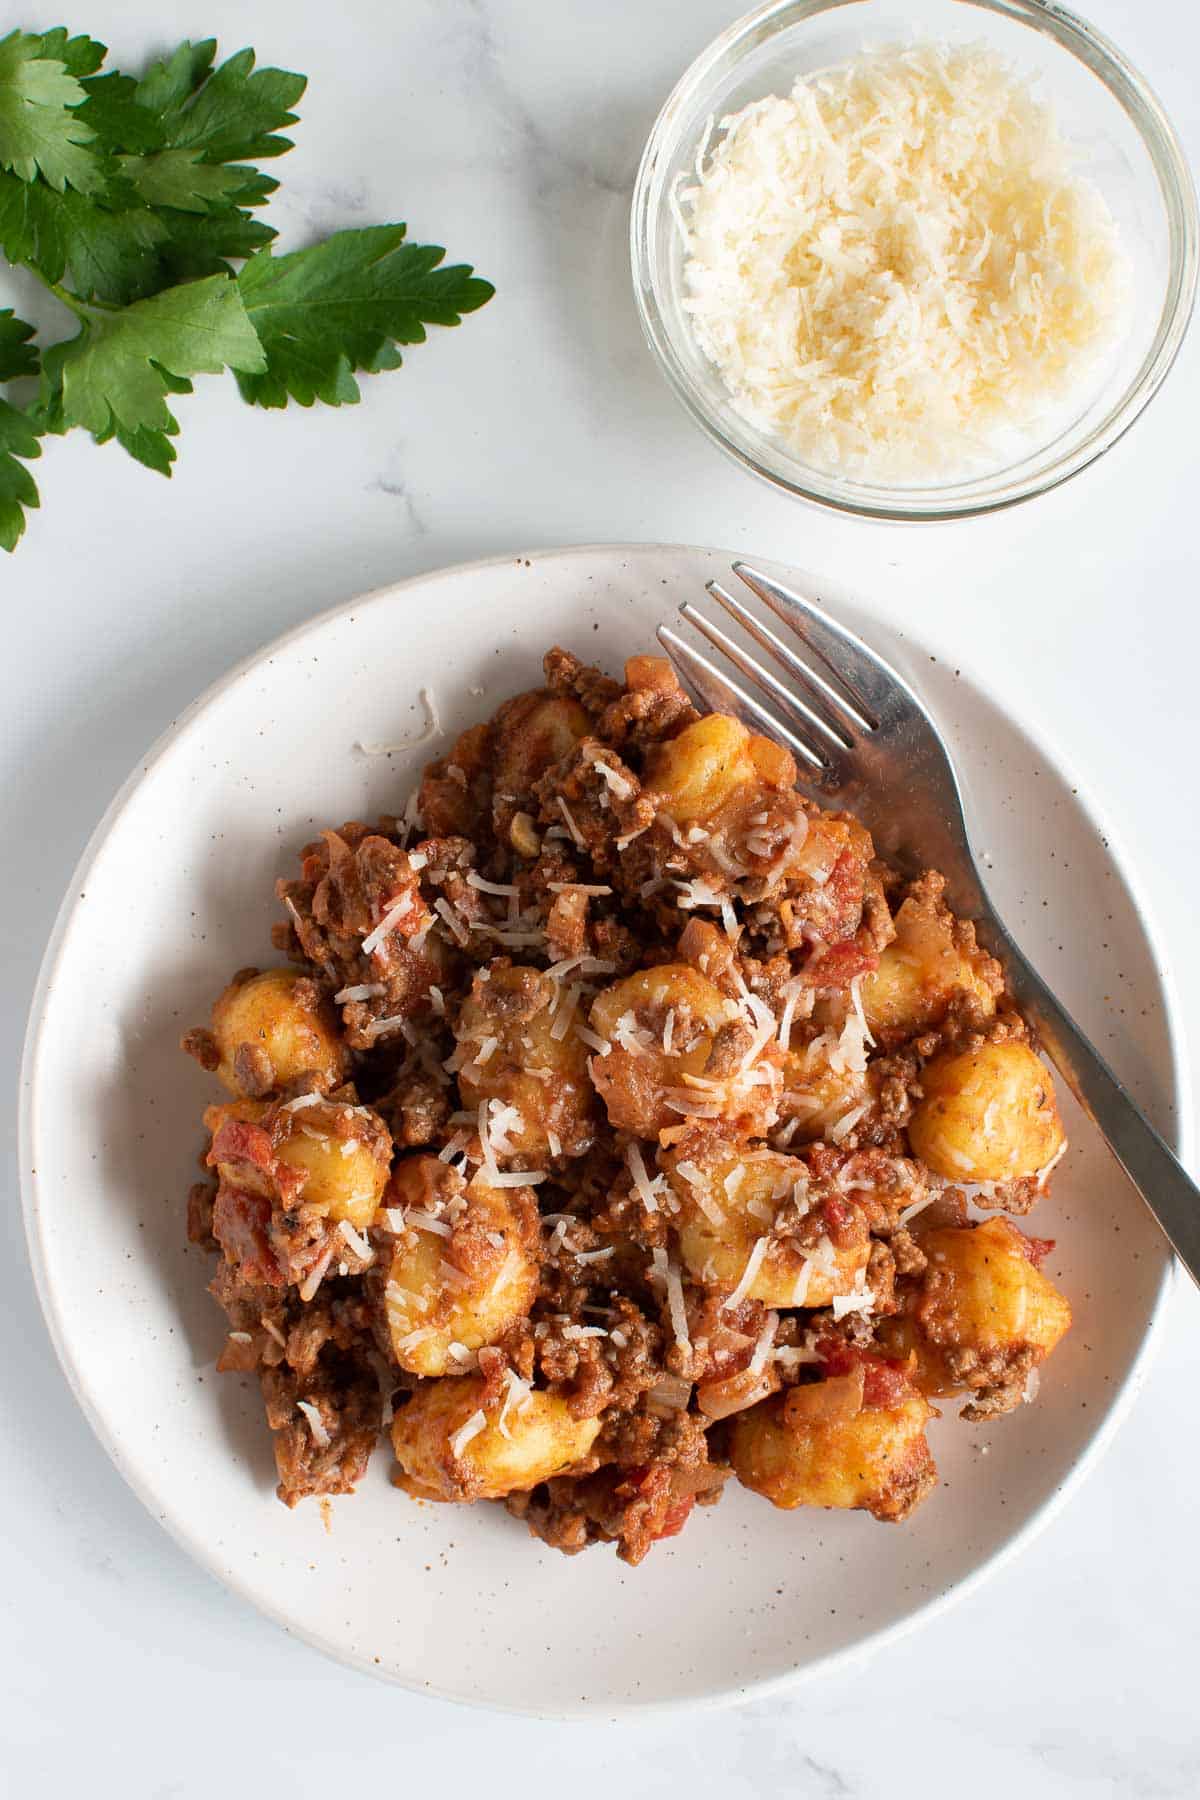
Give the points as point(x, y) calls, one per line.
point(201, 243)
point(115, 375)
point(31, 228)
point(134, 200)
point(80, 56)
point(343, 305)
point(39, 133)
point(113, 112)
point(180, 179)
point(17, 355)
point(116, 256)
point(154, 449)
point(18, 489)
point(226, 115)
point(168, 85)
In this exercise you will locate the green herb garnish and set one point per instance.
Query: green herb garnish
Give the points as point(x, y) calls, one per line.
point(131, 200)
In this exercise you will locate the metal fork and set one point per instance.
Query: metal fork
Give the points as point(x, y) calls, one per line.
point(865, 743)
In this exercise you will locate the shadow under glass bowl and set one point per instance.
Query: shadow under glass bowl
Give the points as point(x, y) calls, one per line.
point(1121, 140)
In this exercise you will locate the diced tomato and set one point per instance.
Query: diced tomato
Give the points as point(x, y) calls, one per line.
point(240, 1222)
point(885, 1383)
point(675, 1517)
point(837, 1356)
point(838, 1213)
point(239, 1141)
point(845, 889)
point(662, 1514)
point(838, 966)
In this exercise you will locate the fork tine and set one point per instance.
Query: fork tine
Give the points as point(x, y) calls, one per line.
point(828, 713)
point(868, 682)
point(784, 699)
point(724, 695)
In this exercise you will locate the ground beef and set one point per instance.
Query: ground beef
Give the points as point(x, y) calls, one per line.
point(201, 1196)
point(201, 1044)
point(347, 1400)
point(417, 1109)
point(566, 674)
point(997, 1381)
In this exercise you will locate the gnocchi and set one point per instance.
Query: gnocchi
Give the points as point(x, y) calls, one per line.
point(273, 1027)
point(464, 1266)
point(825, 1445)
point(816, 1095)
point(533, 732)
point(925, 965)
point(727, 1204)
point(330, 1156)
point(660, 1027)
point(985, 1306)
point(697, 772)
point(522, 1058)
point(988, 1114)
point(452, 1443)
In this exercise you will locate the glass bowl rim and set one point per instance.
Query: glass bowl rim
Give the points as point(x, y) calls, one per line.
point(983, 494)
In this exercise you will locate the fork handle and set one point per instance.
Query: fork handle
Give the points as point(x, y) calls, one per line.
point(1153, 1168)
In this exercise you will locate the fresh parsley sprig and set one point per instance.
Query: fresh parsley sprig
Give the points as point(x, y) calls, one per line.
point(132, 200)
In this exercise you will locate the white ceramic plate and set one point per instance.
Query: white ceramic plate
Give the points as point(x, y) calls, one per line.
point(175, 892)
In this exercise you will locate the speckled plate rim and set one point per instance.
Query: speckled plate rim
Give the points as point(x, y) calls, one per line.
point(1181, 1135)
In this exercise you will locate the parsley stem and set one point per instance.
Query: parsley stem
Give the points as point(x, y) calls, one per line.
point(80, 307)
point(69, 300)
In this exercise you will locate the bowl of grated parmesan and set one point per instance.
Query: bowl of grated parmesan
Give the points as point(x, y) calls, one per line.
point(914, 259)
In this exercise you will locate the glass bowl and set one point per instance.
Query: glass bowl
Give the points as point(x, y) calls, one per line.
point(1121, 140)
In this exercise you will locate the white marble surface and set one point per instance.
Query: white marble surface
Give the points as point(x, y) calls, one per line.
point(510, 129)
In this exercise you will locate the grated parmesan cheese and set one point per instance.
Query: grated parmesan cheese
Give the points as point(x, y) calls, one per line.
point(567, 1004)
point(425, 1221)
point(388, 923)
point(647, 1190)
point(459, 927)
point(462, 1437)
point(315, 1276)
point(895, 267)
point(432, 729)
point(381, 1027)
point(316, 1424)
point(845, 1125)
point(860, 1299)
point(362, 990)
point(665, 1271)
point(576, 835)
point(503, 888)
point(1043, 1174)
point(753, 1263)
point(516, 1393)
point(762, 1348)
point(359, 1244)
point(615, 780)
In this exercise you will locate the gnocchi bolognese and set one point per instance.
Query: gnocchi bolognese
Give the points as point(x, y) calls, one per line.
point(610, 1130)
